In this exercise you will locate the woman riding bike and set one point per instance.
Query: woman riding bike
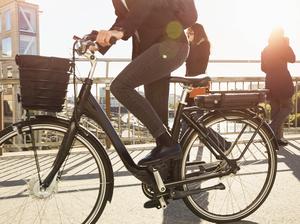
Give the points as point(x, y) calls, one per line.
point(159, 47)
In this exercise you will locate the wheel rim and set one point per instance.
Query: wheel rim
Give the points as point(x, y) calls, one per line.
point(241, 197)
point(76, 197)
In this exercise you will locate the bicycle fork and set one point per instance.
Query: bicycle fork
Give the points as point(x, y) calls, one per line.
point(62, 154)
point(67, 141)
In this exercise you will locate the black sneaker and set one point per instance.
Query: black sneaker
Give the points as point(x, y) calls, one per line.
point(161, 153)
point(282, 142)
point(219, 140)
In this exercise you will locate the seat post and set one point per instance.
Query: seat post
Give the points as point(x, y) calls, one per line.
point(182, 103)
point(185, 91)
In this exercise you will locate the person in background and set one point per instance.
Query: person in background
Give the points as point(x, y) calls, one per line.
point(196, 64)
point(197, 60)
point(274, 60)
point(198, 57)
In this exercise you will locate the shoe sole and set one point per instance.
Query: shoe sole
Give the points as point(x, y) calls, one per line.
point(158, 161)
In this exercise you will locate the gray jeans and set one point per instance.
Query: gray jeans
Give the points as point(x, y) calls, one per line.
point(157, 93)
point(280, 109)
point(154, 64)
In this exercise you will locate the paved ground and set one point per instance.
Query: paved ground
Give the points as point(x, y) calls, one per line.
point(281, 207)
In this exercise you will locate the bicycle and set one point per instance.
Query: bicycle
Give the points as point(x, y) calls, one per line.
point(72, 180)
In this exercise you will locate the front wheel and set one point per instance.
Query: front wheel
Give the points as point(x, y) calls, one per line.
point(80, 190)
point(246, 188)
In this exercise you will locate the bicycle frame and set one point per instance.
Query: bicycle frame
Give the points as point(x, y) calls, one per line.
point(87, 105)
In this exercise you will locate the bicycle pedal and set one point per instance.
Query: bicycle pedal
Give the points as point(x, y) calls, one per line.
point(156, 203)
point(152, 204)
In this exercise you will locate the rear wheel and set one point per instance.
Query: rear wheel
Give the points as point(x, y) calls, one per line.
point(247, 188)
point(77, 195)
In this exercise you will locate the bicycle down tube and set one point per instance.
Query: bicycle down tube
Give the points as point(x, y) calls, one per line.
point(87, 105)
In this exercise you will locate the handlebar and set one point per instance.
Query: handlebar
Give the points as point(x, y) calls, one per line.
point(81, 45)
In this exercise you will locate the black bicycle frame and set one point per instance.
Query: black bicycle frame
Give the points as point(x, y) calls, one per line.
point(87, 105)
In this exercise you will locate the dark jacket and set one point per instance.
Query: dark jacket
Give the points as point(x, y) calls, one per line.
point(274, 61)
point(148, 19)
point(197, 61)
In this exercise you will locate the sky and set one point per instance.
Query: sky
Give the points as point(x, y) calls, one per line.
point(237, 29)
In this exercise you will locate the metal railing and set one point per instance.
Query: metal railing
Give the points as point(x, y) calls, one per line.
point(130, 129)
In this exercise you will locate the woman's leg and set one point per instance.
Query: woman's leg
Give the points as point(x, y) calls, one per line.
point(157, 93)
point(154, 64)
point(282, 108)
point(275, 108)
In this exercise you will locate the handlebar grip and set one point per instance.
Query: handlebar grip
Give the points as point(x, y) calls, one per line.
point(76, 38)
point(101, 49)
point(93, 36)
point(112, 40)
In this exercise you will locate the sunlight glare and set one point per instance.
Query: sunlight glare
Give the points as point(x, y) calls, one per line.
point(261, 16)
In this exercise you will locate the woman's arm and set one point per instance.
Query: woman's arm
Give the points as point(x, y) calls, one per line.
point(290, 55)
point(132, 20)
point(127, 22)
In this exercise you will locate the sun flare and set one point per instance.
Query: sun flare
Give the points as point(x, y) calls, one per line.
point(261, 16)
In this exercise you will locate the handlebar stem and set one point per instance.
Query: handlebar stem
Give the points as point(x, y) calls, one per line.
point(93, 60)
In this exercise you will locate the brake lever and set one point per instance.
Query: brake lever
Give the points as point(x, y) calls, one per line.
point(76, 37)
point(85, 45)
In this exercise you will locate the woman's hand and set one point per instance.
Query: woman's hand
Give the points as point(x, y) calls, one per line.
point(104, 37)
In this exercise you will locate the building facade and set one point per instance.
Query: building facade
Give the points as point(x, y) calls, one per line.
point(19, 34)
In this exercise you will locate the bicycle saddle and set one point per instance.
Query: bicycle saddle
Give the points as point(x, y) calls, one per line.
point(191, 81)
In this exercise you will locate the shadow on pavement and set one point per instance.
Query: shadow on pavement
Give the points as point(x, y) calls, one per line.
point(178, 213)
point(291, 159)
point(243, 222)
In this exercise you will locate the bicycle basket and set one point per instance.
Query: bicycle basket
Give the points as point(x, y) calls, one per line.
point(43, 82)
point(230, 99)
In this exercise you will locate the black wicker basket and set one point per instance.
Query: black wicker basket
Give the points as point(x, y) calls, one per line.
point(43, 82)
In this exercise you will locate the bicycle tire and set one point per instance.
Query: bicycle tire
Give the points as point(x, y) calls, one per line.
point(80, 194)
point(241, 197)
